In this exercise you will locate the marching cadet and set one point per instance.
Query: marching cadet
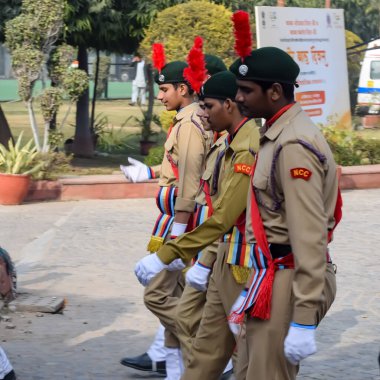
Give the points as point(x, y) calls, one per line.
point(181, 169)
point(214, 343)
point(293, 206)
point(192, 301)
point(140, 172)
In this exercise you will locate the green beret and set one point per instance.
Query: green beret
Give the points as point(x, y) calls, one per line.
point(220, 86)
point(171, 73)
point(268, 64)
point(214, 64)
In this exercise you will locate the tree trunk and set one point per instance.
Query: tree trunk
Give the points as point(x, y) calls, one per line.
point(96, 78)
point(53, 121)
point(65, 117)
point(83, 145)
point(33, 124)
point(46, 146)
point(5, 132)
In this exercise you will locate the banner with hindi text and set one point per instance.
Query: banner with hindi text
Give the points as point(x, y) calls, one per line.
point(315, 38)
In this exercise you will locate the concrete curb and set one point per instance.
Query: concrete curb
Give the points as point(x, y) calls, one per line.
point(115, 186)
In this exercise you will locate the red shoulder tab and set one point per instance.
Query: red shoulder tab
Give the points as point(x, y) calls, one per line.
point(302, 173)
point(243, 168)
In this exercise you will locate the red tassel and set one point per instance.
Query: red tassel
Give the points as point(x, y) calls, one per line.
point(261, 308)
point(196, 72)
point(243, 35)
point(236, 318)
point(158, 56)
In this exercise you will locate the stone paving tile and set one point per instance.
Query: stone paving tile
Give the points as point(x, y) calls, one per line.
point(86, 251)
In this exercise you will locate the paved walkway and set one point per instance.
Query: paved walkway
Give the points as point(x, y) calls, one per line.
point(86, 252)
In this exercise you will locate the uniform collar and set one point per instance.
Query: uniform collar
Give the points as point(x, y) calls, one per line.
point(242, 139)
point(186, 111)
point(220, 140)
point(276, 128)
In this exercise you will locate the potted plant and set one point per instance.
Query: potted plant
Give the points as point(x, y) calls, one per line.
point(146, 130)
point(17, 163)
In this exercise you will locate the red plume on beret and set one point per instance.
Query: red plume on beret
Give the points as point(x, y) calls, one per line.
point(158, 56)
point(243, 35)
point(195, 73)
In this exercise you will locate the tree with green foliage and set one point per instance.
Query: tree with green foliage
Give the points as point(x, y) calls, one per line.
point(177, 26)
point(9, 9)
point(30, 38)
point(362, 17)
point(354, 58)
point(109, 25)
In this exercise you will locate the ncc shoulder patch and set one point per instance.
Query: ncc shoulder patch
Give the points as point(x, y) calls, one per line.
point(302, 173)
point(243, 168)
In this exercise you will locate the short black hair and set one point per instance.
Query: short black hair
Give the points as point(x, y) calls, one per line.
point(191, 91)
point(287, 88)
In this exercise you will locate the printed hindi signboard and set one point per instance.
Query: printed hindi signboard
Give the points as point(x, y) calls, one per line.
point(315, 38)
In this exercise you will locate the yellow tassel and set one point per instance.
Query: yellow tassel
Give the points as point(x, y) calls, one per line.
point(241, 274)
point(155, 243)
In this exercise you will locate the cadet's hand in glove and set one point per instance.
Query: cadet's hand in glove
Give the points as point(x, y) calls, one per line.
point(299, 343)
point(176, 264)
point(235, 326)
point(198, 276)
point(148, 267)
point(136, 171)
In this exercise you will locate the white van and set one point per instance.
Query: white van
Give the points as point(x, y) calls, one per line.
point(369, 82)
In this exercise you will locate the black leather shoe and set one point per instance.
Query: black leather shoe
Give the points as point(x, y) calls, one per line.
point(145, 363)
point(10, 376)
point(227, 375)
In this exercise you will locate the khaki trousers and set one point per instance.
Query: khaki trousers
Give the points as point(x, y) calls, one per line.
point(161, 297)
point(264, 340)
point(214, 343)
point(189, 315)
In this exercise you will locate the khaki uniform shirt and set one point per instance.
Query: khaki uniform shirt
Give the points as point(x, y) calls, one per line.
point(230, 204)
point(296, 189)
point(213, 175)
point(187, 146)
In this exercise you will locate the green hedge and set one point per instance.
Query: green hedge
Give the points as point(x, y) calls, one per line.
point(351, 149)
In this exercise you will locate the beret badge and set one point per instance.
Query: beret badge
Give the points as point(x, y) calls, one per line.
point(243, 70)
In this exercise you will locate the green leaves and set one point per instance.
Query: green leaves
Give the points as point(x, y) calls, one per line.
point(177, 26)
point(74, 83)
point(19, 159)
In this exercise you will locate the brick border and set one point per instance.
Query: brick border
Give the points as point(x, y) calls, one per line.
point(115, 186)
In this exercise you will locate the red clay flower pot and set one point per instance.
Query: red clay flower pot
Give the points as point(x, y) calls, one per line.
point(13, 188)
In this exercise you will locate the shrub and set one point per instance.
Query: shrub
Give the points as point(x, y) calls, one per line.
point(166, 119)
point(351, 149)
point(53, 165)
point(155, 156)
point(177, 26)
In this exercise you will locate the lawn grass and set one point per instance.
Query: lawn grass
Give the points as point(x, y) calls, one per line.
point(116, 112)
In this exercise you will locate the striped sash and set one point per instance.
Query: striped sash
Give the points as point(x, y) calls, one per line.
point(238, 250)
point(260, 265)
point(201, 214)
point(165, 201)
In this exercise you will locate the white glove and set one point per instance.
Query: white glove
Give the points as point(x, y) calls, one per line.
point(148, 267)
point(197, 277)
point(177, 229)
point(136, 171)
point(299, 343)
point(176, 264)
point(237, 327)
